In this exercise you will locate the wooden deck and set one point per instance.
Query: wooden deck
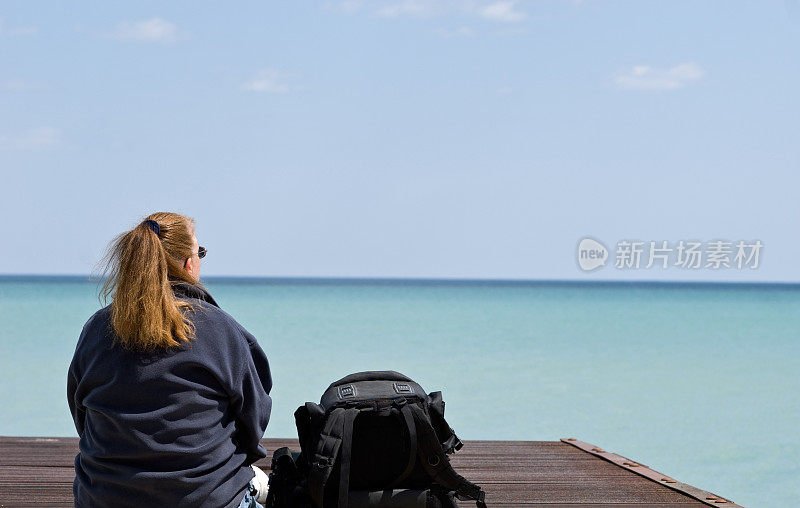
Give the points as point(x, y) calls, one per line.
point(566, 473)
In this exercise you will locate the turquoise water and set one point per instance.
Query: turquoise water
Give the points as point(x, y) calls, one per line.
point(696, 381)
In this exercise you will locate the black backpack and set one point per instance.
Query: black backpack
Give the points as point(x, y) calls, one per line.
point(375, 439)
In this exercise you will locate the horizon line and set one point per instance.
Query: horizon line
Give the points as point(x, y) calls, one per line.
point(421, 280)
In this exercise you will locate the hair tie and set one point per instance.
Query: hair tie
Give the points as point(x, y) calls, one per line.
point(153, 225)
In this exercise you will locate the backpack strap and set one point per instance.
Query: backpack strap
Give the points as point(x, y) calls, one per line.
point(346, 454)
point(321, 463)
point(405, 410)
point(437, 464)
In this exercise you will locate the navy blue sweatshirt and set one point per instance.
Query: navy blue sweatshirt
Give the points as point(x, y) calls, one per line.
point(174, 428)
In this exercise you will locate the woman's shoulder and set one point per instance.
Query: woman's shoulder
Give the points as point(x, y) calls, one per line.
point(201, 311)
point(214, 323)
point(97, 321)
point(94, 333)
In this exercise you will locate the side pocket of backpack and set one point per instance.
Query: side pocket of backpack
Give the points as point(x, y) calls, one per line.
point(445, 434)
point(308, 419)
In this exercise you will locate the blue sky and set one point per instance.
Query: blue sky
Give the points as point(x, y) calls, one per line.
point(477, 139)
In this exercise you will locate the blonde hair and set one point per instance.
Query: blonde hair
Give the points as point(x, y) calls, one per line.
point(139, 268)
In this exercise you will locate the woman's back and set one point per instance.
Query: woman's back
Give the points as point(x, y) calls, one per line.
point(172, 427)
point(166, 425)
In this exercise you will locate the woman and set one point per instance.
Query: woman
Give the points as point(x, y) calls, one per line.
point(169, 394)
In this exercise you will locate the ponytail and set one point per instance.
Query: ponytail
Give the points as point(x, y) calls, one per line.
point(140, 265)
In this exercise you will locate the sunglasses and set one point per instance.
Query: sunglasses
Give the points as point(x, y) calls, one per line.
point(201, 252)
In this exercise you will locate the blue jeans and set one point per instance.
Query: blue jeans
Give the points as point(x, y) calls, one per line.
point(249, 499)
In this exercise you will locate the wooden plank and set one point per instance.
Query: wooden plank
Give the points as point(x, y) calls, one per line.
point(513, 473)
point(703, 496)
point(61, 452)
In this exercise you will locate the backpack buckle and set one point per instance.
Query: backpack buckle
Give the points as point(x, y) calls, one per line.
point(324, 462)
point(399, 402)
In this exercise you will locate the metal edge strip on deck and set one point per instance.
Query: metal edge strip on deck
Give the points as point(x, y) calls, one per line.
point(642, 470)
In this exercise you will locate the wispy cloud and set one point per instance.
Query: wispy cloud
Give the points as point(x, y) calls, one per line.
point(349, 5)
point(505, 11)
point(412, 8)
point(14, 31)
point(42, 138)
point(271, 81)
point(150, 30)
point(644, 77)
point(498, 10)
